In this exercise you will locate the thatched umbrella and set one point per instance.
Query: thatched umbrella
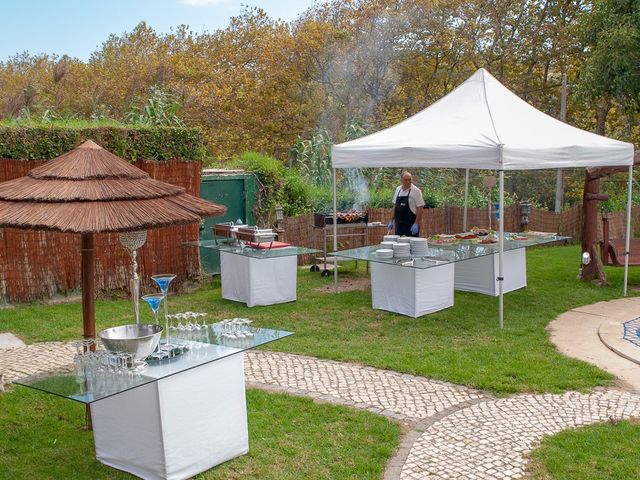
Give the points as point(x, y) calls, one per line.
point(90, 190)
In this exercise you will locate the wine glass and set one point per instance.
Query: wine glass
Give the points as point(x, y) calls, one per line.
point(163, 282)
point(154, 301)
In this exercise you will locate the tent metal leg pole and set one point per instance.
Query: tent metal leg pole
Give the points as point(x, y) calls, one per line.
point(500, 252)
point(466, 199)
point(335, 232)
point(628, 233)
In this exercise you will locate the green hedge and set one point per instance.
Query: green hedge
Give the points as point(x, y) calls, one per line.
point(132, 143)
point(278, 185)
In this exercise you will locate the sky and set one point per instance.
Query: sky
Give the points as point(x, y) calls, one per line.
point(78, 27)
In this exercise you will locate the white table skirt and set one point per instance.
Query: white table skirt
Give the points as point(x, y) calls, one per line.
point(178, 426)
point(479, 274)
point(411, 291)
point(258, 281)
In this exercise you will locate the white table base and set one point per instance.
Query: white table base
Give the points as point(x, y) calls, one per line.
point(258, 281)
point(411, 291)
point(479, 274)
point(178, 426)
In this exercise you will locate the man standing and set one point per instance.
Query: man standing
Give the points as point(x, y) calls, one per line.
point(407, 211)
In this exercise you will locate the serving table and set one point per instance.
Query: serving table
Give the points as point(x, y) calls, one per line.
point(409, 286)
point(177, 417)
point(257, 276)
point(415, 286)
point(477, 264)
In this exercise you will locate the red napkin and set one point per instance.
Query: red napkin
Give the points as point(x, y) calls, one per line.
point(265, 245)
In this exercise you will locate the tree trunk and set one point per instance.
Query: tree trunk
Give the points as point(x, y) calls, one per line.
point(592, 271)
point(601, 119)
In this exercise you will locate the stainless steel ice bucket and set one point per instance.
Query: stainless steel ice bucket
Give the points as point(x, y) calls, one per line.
point(139, 340)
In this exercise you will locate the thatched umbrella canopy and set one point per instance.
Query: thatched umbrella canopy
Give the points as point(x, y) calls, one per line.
point(90, 190)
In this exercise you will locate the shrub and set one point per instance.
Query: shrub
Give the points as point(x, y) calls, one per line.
point(277, 185)
point(296, 196)
point(45, 141)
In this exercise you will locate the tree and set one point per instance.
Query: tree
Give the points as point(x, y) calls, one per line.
point(610, 33)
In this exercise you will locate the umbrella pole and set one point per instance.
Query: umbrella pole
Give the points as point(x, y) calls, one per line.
point(88, 299)
point(88, 292)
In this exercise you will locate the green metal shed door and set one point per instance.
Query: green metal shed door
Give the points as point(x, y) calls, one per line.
point(228, 192)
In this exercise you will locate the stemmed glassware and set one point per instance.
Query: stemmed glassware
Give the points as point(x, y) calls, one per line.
point(154, 301)
point(163, 282)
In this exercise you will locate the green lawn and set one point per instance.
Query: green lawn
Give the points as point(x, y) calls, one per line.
point(606, 451)
point(462, 344)
point(41, 437)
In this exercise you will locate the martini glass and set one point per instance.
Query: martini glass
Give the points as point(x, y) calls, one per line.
point(163, 282)
point(154, 301)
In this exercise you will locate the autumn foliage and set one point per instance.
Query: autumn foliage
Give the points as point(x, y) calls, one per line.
point(261, 83)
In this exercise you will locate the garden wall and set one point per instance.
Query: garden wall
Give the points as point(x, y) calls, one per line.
point(37, 264)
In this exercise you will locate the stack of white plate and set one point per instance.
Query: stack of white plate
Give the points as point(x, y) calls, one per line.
point(419, 247)
point(404, 240)
point(391, 238)
point(388, 245)
point(401, 250)
point(384, 253)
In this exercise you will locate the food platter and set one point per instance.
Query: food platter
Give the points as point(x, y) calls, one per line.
point(466, 236)
point(480, 232)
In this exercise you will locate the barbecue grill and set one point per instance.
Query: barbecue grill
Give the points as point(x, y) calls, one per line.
point(354, 216)
point(353, 219)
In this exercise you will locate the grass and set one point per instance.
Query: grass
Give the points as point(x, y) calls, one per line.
point(41, 437)
point(606, 451)
point(462, 344)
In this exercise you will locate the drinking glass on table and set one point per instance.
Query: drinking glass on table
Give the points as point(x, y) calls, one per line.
point(154, 300)
point(163, 282)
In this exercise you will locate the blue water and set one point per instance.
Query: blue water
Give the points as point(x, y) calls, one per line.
point(163, 282)
point(154, 302)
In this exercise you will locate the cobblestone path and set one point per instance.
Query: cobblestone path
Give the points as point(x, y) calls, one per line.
point(490, 440)
point(456, 432)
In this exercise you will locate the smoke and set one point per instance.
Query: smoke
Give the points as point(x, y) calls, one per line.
point(359, 185)
point(360, 73)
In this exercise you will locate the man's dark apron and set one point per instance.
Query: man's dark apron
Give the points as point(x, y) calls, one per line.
point(404, 217)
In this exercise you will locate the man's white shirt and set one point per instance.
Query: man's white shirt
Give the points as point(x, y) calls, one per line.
point(415, 197)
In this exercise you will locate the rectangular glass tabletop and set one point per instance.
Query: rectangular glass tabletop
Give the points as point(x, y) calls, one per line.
point(204, 346)
point(440, 254)
point(247, 251)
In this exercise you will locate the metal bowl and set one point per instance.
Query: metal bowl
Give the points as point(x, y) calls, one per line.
point(139, 340)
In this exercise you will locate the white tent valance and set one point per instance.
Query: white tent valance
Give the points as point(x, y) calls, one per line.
point(466, 128)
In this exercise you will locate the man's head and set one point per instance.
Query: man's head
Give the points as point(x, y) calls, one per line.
point(405, 177)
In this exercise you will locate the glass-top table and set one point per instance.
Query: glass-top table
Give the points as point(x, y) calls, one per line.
point(440, 254)
point(253, 252)
point(204, 346)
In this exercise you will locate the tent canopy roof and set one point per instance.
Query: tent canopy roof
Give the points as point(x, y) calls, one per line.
point(482, 125)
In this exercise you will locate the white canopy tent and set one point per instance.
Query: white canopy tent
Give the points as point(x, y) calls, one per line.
point(483, 125)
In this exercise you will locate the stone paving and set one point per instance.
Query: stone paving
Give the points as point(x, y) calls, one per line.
point(24, 361)
point(394, 394)
point(491, 440)
point(456, 432)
